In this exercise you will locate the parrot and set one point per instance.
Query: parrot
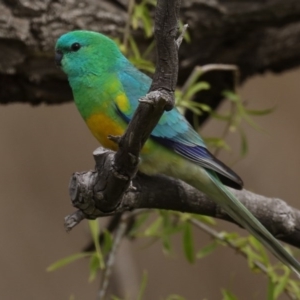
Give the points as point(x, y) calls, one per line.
point(107, 87)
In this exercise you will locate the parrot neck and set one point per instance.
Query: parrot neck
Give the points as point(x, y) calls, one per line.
point(95, 89)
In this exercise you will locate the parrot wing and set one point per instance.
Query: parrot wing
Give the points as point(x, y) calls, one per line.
point(173, 131)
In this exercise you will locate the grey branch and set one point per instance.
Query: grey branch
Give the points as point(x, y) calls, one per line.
point(255, 35)
point(162, 192)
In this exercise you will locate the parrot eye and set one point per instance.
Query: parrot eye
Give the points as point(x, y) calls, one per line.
point(75, 47)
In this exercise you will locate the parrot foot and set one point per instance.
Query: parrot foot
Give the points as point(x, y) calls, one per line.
point(114, 138)
point(154, 98)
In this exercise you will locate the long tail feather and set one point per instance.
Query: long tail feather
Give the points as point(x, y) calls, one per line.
point(244, 217)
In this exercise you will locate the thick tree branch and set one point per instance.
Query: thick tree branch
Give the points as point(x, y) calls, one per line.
point(162, 192)
point(257, 36)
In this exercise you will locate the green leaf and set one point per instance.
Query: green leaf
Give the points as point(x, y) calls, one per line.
point(142, 64)
point(166, 230)
point(271, 287)
point(282, 284)
point(153, 229)
point(295, 287)
point(67, 260)
point(232, 96)
point(94, 266)
point(107, 241)
point(244, 143)
point(205, 219)
point(139, 222)
point(204, 107)
point(188, 243)
point(143, 286)
point(206, 250)
point(217, 143)
point(258, 246)
point(224, 117)
point(94, 228)
point(227, 295)
point(252, 258)
point(134, 48)
point(147, 21)
point(260, 112)
point(195, 88)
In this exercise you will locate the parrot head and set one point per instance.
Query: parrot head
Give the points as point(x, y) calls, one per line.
point(81, 52)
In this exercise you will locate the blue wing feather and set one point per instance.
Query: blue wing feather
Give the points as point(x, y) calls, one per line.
point(173, 131)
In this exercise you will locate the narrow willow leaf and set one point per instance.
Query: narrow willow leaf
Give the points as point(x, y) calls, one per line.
point(147, 21)
point(206, 250)
point(142, 64)
point(230, 236)
point(94, 266)
point(232, 96)
point(205, 219)
point(258, 246)
point(282, 284)
point(153, 229)
point(139, 222)
point(252, 257)
point(295, 287)
point(260, 112)
point(271, 287)
point(217, 143)
point(197, 87)
point(188, 243)
point(134, 48)
point(241, 242)
point(67, 260)
point(94, 228)
point(244, 143)
point(204, 107)
point(143, 286)
point(107, 241)
point(225, 117)
point(227, 295)
point(253, 124)
point(167, 230)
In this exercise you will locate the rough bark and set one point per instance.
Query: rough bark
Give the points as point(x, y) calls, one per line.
point(163, 192)
point(256, 35)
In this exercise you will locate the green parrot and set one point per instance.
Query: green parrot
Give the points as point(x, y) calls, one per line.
point(106, 88)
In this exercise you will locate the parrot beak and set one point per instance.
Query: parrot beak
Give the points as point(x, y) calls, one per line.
point(58, 57)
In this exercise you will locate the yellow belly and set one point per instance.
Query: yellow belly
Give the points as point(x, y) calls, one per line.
point(102, 126)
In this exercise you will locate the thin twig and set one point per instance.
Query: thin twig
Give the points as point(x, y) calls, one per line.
point(120, 233)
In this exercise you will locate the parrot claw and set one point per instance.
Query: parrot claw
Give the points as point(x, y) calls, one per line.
point(155, 97)
point(114, 138)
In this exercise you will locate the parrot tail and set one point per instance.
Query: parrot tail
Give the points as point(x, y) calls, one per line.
point(235, 209)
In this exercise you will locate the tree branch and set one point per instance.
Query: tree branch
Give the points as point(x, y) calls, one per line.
point(162, 192)
point(257, 36)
